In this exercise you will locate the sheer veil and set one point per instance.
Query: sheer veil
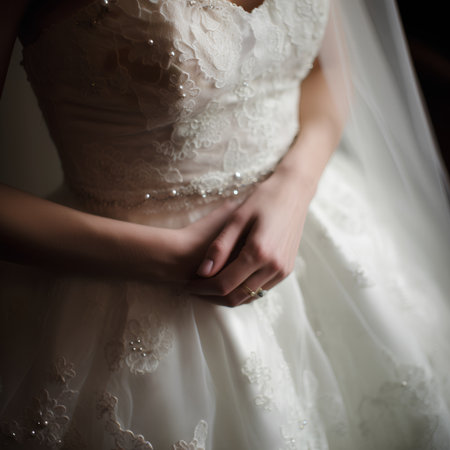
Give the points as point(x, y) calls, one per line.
point(368, 68)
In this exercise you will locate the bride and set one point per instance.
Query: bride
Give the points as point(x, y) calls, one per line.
point(162, 298)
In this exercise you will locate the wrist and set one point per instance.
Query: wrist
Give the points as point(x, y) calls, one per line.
point(299, 176)
point(144, 251)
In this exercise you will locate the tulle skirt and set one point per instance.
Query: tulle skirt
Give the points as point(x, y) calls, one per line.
point(349, 352)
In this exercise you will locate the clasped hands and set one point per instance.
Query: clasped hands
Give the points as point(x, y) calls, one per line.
point(256, 247)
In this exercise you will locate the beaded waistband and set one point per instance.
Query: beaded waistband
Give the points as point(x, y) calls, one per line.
point(175, 198)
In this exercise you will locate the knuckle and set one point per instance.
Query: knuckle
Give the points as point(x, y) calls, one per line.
point(217, 246)
point(257, 252)
point(276, 266)
point(286, 271)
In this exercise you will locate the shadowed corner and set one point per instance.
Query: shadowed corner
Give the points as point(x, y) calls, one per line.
point(427, 37)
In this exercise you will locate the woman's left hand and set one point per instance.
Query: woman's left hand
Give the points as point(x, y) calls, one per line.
point(257, 247)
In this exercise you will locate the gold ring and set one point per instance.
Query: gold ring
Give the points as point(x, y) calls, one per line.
point(260, 292)
point(249, 291)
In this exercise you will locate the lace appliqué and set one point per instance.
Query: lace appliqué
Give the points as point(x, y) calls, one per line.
point(152, 87)
point(410, 401)
point(296, 421)
point(260, 376)
point(199, 440)
point(203, 131)
point(217, 40)
point(47, 419)
point(125, 439)
point(146, 342)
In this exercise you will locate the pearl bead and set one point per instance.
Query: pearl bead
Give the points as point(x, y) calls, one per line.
point(151, 42)
point(237, 175)
point(172, 54)
point(147, 196)
point(235, 192)
point(173, 193)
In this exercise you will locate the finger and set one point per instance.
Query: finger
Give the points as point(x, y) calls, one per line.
point(253, 288)
point(212, 223)
point(251, 258)
point(221, 284)
point(246, 291)
point(223, 246)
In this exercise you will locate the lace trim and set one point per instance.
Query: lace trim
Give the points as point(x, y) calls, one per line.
point(125, 439)
point(46, 421)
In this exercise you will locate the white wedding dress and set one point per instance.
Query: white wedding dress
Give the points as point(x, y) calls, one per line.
point(160, 109)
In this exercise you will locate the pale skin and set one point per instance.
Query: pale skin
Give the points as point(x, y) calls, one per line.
point(266, 227)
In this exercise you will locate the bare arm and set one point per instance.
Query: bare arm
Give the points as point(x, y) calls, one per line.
point(39, 232)
point(269, 224)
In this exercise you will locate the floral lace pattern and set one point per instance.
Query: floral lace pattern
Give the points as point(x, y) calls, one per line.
point(296, 430)
point(127, 440)
point(47, 419)
point(146, 342)
point(179, 91)
point(410, 395)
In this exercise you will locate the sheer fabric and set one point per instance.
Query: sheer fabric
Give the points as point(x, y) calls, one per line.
point(162, 108)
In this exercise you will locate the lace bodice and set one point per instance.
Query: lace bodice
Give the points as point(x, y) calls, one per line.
point(152, 103)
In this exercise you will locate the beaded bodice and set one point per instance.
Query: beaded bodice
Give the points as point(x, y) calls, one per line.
point(155, 103)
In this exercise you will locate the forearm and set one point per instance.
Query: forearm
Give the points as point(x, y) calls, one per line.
point(321, 125)
point(39, 232)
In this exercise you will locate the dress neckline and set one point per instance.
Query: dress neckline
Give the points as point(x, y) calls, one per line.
point(254, 10)
point(105, 3)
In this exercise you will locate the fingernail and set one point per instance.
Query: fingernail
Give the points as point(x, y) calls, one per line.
point(205, 268)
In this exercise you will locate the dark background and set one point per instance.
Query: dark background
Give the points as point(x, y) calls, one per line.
point(427, 32)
